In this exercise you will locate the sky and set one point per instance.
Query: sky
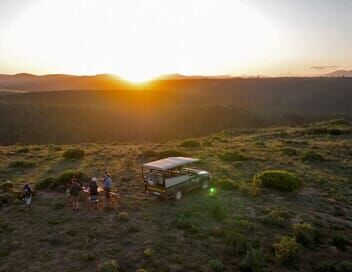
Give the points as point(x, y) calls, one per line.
point(142, 39)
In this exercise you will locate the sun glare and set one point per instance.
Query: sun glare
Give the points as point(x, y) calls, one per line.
point(140, 40)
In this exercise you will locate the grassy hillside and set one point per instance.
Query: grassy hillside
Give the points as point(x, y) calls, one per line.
point(298, 218)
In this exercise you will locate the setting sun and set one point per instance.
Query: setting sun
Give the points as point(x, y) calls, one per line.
point(141, 40)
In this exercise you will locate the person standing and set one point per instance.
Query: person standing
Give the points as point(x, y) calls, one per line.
point(107, 185)
point(93, 192)
point(27, 196)
point(75, 189)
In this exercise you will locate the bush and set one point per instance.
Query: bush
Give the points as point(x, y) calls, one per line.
point(237, 243)
point(216, 265)
point(343, 266)
point(21, 164)
point(233, 156)
point(109, 266)
point(148, 252)
point(132, 228)
point(277, 179)
point(312, 156)
point(73, 153)
point(253, 261)
point(45, 183)
point(207, 143)
point(22, 150)
point(190, 144)
point(286, 250)
point(59, 204)
point(182, 222)
point(170, 153)
point(289, 151)
point(149, 154)
point(340, 241)
point(218, 211)
point(250, 189)
point(226, 184)
point(87, 256)
point(304, 233)
point(6, 198)
point(276, 217)
point(123, 216)
point(65, 178)
point(6, 186)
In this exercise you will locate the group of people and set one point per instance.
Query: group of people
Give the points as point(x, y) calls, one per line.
point(75, 188)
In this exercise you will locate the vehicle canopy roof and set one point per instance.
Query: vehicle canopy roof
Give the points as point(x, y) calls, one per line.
point(169, 163)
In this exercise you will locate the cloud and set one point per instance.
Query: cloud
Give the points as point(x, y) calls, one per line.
point(323, 67)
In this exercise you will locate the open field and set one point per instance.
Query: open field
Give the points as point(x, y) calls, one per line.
point(242, 226)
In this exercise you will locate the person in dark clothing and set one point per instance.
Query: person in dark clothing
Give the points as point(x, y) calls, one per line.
point(75, 189)
point(27, 196)
point(107, 185)
point(93, 192)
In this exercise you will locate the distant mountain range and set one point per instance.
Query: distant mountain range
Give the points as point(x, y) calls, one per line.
point(340, 73)
point(60, 82)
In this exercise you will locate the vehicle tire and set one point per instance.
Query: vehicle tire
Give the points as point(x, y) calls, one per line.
point(205, 184)
point(178, 195)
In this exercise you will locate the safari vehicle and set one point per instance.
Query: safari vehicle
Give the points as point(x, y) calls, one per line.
point(168, 178)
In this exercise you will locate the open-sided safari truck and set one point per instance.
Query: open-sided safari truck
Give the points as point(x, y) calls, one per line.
point(168, 178)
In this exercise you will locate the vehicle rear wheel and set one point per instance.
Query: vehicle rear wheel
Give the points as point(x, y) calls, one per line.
point(178, 195)
point(205, 184)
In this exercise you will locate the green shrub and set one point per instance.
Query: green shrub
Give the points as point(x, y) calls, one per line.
point(253, 261)
point(304, 233)
point(123, 216)
point(218, 211)
point(190, 144)
point(233, 156)
point(277, 179)
point(109, 266)
point(207, 143)
point(184, 223)
point(216, 265)
point(21, 164)
point(65, 178)
point(340, 241)
point(276, 217)
point(237, 243)
point(87, 256)
point(249, 188)
point(73, 153)
point(226, 184)
point(59, 204)
point(22, 150)
point(45, 183)
point(148, 252)
point(132, 227)
point(343, 266)
point(289, 151)
point(6, 198)
point(6, 186)
point(312, 156)
point(286, 250)
point(170, 153)
point(149, 154)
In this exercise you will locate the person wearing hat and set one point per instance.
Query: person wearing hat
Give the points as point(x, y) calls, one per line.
point(75, 188)
point(93, 192)
point(107, 185)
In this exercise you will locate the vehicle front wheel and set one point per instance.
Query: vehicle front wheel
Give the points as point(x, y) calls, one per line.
point(178, 195)
point(205, 184)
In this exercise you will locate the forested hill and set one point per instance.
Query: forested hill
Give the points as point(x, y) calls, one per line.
point(167, 109)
